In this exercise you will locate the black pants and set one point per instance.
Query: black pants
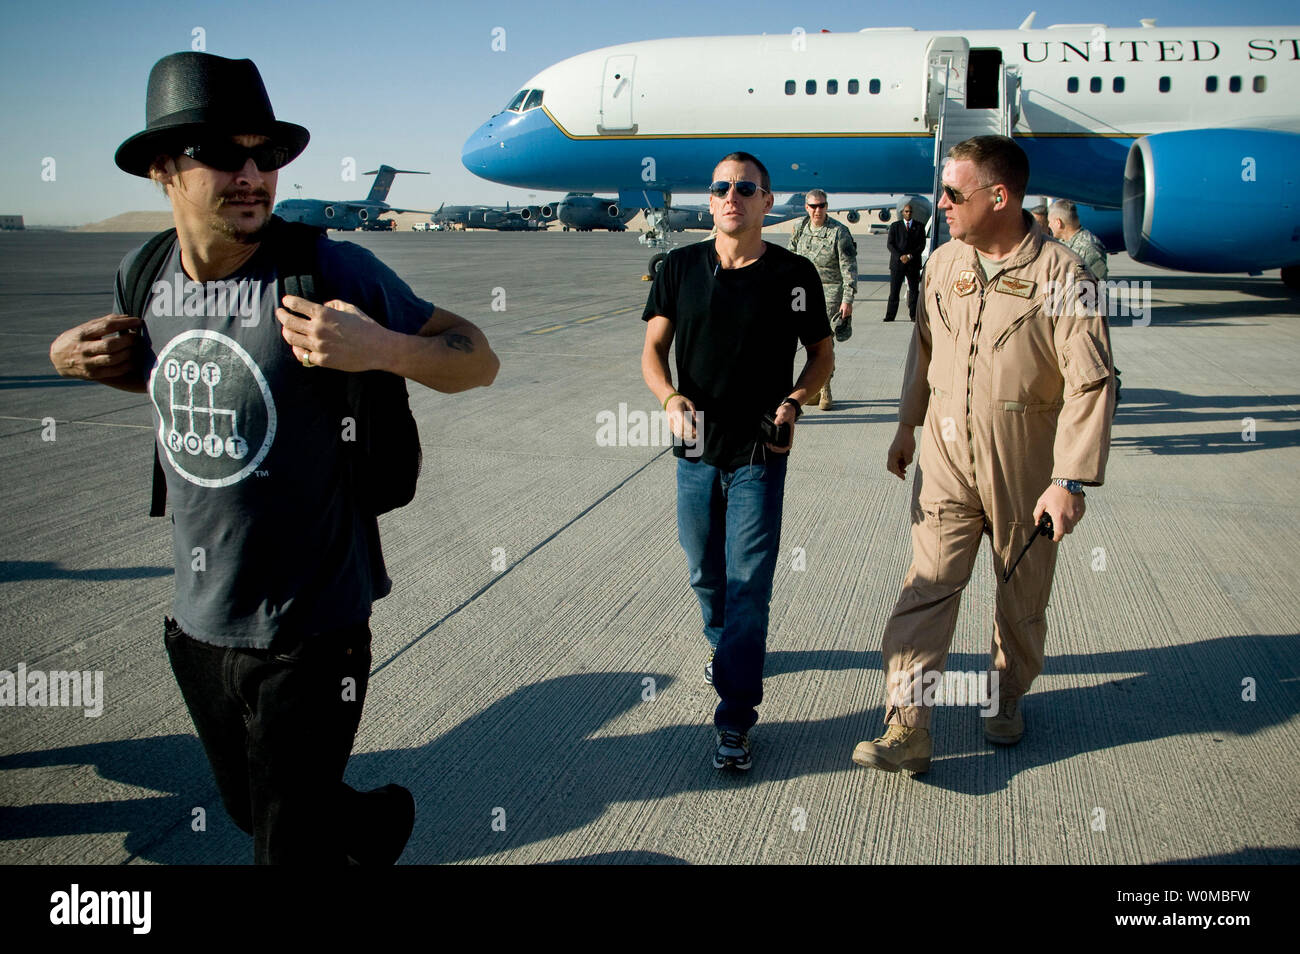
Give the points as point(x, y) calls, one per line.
point(277, 726)
point(896, 275)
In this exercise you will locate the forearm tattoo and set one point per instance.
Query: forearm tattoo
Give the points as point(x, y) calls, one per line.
point(459, 342)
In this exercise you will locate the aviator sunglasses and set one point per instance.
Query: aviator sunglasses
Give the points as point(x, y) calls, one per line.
point(231, 157)
point(744, 188)
point(956, 198)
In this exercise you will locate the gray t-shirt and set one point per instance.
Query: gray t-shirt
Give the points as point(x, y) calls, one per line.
point(267, 538)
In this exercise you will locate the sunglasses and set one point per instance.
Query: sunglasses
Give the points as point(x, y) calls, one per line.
point(744, 188)
point(231, 157)
point(956, 198)
point(815, 205)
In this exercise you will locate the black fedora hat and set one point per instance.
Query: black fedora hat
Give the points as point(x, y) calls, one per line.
point(200, 92)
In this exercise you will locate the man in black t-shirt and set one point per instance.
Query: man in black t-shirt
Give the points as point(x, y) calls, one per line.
point(736, 308)
point(277, 558)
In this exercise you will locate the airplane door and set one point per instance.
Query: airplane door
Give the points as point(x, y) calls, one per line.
point(984, 69)
point(616, 96)
point(946, 60)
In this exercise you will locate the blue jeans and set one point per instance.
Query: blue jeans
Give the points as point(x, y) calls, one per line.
point(277, 726)
point(729, 524)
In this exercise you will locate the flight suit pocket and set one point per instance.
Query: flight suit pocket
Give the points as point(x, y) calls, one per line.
point(1015, 326)
point(942, 348)
point(1084, 365)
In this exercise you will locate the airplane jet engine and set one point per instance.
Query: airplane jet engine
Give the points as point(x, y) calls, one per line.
point(1173, 179)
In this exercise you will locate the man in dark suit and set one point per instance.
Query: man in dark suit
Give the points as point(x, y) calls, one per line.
point(906, 242)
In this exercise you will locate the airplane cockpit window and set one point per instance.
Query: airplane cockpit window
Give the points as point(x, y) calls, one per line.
point(534, 100)
point(517, 104)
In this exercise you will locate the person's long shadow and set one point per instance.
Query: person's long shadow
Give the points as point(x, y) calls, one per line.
point(1225, 688)
point(535, 764)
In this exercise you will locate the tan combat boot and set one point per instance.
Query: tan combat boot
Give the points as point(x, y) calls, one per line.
point(901, 747)
point(1007, 727)
point(825, 404)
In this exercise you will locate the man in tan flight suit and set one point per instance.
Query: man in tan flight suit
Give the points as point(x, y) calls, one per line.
point(1010, 373)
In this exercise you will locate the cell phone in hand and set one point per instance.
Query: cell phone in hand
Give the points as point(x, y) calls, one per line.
point(778, 435)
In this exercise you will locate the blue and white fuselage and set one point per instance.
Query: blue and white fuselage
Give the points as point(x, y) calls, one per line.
point(849, 113)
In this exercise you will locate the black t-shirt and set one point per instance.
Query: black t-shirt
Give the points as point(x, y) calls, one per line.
point(736, 332)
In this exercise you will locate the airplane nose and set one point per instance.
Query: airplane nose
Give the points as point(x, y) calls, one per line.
point(482, 149)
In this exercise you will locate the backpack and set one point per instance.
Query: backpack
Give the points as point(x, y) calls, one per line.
point(385, 456)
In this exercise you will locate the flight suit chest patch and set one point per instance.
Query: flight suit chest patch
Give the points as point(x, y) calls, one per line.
point(965, 283)
point(1014, 286)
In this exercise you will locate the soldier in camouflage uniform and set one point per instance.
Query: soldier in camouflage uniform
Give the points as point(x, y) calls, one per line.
point(1064, 220)
point(829, 245)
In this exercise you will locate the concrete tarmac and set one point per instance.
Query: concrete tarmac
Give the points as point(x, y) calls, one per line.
point(537, 674)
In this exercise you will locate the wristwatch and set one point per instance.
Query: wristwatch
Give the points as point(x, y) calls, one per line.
point(798, 411)
point(1072, 486)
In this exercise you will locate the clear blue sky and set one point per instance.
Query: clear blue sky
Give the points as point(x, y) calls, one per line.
point(392, 81)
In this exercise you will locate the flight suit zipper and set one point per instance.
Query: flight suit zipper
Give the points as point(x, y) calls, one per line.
point(970, 378)
point(1010, 329)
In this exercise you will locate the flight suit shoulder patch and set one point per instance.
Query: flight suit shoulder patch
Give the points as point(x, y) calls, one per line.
point(965, 283)
point(1015, 286)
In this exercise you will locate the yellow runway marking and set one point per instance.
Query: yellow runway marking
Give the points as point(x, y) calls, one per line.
point(582, 321)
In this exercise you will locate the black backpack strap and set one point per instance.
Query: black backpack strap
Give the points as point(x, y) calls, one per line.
point(140, 278)
point(144, 271)
point(296, 262)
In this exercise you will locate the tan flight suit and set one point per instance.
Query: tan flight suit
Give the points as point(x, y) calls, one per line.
point(1010, 396)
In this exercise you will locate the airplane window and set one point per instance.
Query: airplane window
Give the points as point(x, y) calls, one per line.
point(1118, 84)
point(873, 87)
point(789, 87)
point(853, 87)
point(1164, 84)
point(1095, 84)
point(534, 100)
point(832, 87)
point(810, 87)
point(1072, 84)
point(1234, 84)
point(517, 103)
point(1261, 84)
point(1211, 84)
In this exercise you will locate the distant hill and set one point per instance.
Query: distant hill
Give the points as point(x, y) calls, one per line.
point(130, 222)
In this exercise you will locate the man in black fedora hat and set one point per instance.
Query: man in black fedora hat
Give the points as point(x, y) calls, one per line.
point(276, 543)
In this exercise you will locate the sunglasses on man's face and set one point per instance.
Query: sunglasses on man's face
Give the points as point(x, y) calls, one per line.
point(744, 188)
point(231, 157)
point(956, 198)
point(816, 205)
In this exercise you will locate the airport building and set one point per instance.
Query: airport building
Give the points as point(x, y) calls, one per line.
point(13, 222)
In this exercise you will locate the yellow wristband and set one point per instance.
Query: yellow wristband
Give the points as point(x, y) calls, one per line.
point(670, 397)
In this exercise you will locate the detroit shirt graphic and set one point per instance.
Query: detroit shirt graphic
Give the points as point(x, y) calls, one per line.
point(216, 416)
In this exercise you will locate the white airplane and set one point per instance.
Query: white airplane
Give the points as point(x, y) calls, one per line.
point(1148, 126)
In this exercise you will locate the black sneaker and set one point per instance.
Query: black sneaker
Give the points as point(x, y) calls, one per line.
point(708, 670)
point(733, 751)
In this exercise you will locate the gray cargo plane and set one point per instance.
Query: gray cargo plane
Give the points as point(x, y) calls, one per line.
point(583, 212)
point(524, 218)
point(351, 215)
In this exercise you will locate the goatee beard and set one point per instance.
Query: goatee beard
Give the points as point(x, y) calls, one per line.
point(238, 235)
